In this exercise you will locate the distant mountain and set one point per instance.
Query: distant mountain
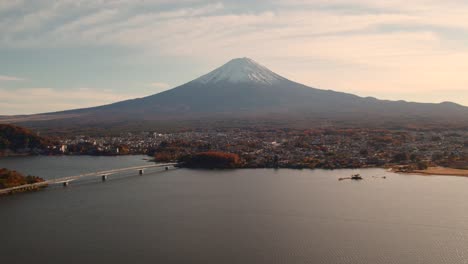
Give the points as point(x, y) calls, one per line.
point(242, 89)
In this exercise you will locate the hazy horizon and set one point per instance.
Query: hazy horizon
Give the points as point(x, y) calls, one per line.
point(59, 55)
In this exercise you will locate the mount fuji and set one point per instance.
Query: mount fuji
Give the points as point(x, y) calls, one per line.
point(242, 89)
point(242, 70)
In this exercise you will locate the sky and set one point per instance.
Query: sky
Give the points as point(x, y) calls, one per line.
point(57, 55)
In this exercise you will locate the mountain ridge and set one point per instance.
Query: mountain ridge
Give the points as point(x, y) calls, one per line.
point(244, 89)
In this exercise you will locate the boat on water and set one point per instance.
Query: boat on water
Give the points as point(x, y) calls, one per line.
point(353, 177)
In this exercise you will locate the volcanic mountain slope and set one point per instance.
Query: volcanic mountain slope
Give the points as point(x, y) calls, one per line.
point(240, 87)
point(244, 89)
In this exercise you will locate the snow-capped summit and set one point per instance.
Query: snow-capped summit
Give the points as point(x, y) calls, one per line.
point(241, 70)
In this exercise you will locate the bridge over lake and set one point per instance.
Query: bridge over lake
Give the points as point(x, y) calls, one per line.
point(65, 181)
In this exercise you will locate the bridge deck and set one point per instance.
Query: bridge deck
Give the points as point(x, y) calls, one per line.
point(80, 176)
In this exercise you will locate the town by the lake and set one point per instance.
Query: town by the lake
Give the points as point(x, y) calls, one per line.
point(327, 148)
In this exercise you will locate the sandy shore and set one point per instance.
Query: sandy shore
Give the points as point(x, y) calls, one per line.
point(442, 171)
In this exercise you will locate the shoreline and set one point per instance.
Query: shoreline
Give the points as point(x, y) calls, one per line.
point(436, 171)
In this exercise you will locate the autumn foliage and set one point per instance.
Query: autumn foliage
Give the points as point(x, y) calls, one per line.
point(174, 150)
point(211, 160)
point(15, 138)
point(165, 157)
point(10, 179)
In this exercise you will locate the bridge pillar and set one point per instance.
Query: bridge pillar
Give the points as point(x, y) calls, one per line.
point(104, 177)
point(141, 171)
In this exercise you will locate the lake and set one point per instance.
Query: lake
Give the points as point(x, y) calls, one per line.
point(232, 216)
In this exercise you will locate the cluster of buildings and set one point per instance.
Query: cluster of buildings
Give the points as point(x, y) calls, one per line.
point(315, 148)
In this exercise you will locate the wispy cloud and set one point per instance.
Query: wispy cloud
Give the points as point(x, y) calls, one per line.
point(25, 100)
point(160, 85)
point(10, 78)
point(217, 27)
point(369, 47)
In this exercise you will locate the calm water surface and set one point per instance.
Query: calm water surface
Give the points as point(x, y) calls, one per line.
point(237, 216)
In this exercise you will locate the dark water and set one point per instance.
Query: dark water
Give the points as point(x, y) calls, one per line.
point(239, 216)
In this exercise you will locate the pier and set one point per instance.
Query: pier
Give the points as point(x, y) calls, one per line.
point(65, 181)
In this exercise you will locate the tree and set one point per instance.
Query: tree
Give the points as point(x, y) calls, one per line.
point(10, 179)
point(414, 157)
point(422, 165)
point(211, 160)
point(400, 157)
